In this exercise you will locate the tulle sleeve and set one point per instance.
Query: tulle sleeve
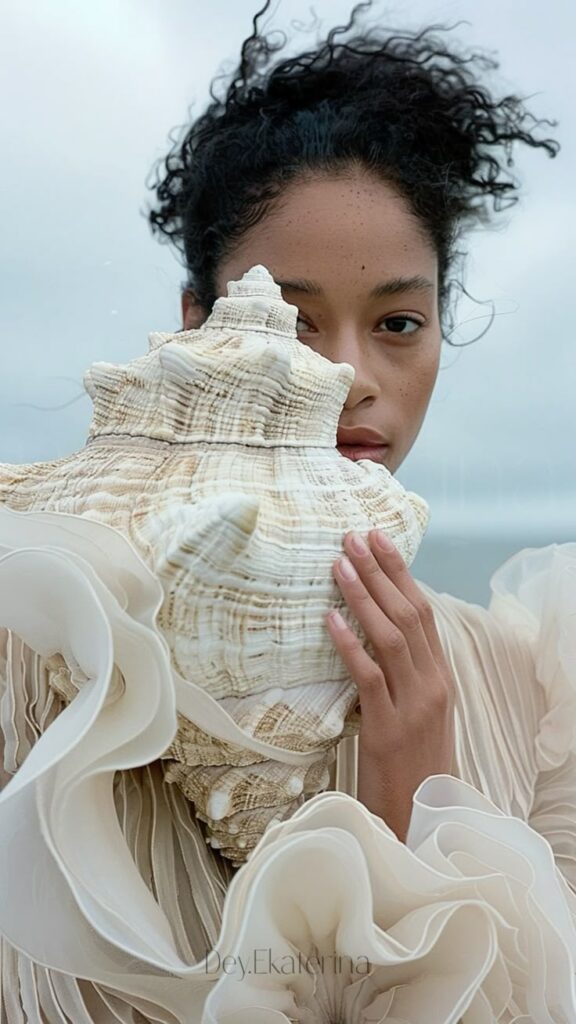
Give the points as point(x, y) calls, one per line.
point(535, 592)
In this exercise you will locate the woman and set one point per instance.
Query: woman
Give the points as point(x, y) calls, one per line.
point(350, 173)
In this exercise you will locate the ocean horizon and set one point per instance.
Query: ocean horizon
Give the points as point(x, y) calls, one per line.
point(462, 565)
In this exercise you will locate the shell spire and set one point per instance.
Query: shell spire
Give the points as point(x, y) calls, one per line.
point(244, 375)
point(254, 303)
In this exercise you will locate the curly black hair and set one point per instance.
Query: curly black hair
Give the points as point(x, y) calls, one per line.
point(404, 106)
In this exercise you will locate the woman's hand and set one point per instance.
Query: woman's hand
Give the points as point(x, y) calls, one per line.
point(407, 694)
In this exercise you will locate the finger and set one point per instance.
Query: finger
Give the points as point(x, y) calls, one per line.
point(388, 642)
point(375, 698)
point(393, 603)
point(397, 571)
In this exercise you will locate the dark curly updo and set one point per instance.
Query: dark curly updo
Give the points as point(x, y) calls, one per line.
point(404, 106)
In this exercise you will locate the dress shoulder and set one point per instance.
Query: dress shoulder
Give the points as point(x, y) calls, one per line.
point(534, 592)
point(531, 616)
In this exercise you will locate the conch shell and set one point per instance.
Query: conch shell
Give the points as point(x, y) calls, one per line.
point(215, 455)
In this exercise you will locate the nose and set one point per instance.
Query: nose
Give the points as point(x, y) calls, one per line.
point(347, 346)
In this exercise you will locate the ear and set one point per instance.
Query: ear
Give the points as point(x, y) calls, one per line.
point(193, 314)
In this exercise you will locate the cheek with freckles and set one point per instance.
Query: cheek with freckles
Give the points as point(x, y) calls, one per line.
point(413, 399)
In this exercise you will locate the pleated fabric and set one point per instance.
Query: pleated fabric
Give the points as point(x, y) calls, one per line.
point(514, 666)
point(184, 874)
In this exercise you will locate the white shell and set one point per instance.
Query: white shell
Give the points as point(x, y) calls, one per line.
point(215, 454)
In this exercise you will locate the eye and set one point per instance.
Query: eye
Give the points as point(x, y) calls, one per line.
point(307, 325)
point(395, 324)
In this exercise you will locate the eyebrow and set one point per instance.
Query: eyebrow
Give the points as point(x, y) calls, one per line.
point(395, 286)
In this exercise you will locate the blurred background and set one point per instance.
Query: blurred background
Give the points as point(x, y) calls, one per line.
point(91, 93)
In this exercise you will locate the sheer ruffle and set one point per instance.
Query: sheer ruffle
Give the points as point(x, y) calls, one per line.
point(535, 591)
point(110, 898)
point(71, 897)
point(333, 918)
point(73, 894)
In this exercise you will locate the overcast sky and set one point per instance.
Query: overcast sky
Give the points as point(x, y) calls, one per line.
point(90, 92)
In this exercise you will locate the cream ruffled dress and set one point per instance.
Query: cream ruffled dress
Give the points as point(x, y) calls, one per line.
point(111, 899)
point(114, 907)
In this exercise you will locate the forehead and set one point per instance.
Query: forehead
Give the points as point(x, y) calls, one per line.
point(337, 226)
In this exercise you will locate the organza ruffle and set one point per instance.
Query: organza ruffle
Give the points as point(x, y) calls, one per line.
point(535, 591)
point(334, 919)
point(331, 918)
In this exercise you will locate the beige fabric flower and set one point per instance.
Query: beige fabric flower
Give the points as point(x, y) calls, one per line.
point(334, 921)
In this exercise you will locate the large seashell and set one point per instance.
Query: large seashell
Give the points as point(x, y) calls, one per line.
point(215, 455)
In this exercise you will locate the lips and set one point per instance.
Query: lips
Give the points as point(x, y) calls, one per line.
point(361, 442)
point(374, 452)
point(360, 436)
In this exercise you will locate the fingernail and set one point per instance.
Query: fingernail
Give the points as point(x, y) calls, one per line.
point(337, 620)
point(346, 568)
point(357, 544)
point(383, 541)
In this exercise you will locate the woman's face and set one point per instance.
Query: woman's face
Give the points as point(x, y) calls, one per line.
point(330, 242)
